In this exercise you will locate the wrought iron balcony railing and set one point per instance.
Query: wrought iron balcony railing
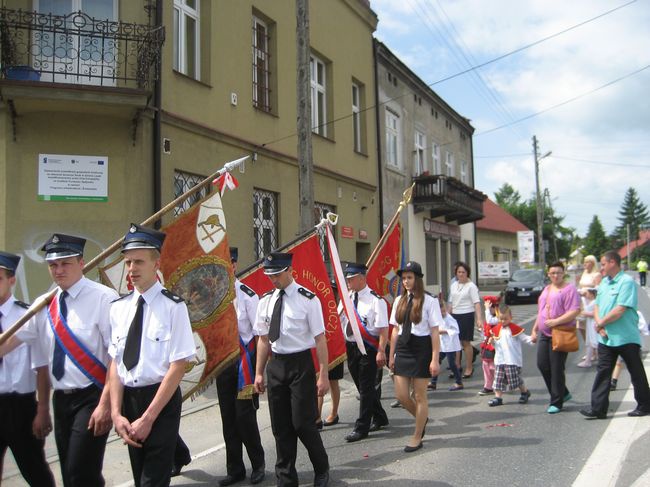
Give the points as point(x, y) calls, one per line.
point(448, 197)
point(79, 49)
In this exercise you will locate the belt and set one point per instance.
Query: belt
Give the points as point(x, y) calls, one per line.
point(7, 395)
point(76, 390)
point(288, 356)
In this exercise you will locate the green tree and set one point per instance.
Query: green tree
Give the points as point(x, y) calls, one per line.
point(633, 213)
point(596, 242)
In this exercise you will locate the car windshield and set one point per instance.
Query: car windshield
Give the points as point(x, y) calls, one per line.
point(525, 275)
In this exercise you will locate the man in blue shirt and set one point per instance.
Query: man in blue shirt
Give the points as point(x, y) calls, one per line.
point(617, 324)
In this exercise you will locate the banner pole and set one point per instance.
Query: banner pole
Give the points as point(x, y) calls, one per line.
point(45, 299)
point(406, 199)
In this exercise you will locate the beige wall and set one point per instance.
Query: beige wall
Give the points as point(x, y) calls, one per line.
point(487, 239)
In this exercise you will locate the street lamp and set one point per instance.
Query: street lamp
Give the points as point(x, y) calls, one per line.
point(540, 210)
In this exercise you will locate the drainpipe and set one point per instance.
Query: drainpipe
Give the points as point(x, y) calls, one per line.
point(157, 123)
point(380, 172)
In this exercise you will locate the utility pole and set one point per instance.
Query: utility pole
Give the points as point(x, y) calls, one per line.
point(540, 215)
point(547, 195)
point(303, 107)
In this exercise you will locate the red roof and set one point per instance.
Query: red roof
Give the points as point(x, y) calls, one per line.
point(644, 238)
point(497, 219)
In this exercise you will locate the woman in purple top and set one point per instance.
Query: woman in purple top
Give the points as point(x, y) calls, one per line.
point(559, 304)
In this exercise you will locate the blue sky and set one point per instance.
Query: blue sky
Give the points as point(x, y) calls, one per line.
point(600, 143)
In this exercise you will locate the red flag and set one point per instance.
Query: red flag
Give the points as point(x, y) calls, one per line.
point(382, 272)
point(196, 265)
point(309, 271)
point(226, 180)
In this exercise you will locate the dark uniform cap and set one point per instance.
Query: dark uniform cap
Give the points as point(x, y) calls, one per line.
point(354, 268)
point(413, 267)
point(277, 262)
point(60, 246)
point(9, 261)
point(139, 237)
point(234, 254)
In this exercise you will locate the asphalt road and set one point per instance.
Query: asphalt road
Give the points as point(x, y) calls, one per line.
point(467, 442)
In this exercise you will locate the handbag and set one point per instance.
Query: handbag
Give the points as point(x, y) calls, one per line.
point(564, 339)
point(487, 354)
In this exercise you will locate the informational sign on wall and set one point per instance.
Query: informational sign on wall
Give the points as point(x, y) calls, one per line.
point(494, 270)
point(526, 247)
point(72, 178)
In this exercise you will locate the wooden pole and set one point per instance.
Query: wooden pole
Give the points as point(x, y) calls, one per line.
point(407, 194)
point(44, 300)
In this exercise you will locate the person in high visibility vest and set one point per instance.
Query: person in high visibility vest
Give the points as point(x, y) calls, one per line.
point(642, 267)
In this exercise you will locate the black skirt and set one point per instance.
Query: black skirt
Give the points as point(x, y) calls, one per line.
point(336, 373)
point(412, 358)
point(465, 325)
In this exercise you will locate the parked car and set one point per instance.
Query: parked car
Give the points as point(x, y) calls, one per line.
point(525, 285)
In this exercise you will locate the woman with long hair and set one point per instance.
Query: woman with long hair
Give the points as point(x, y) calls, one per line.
point(414, 349)
point(589, 279)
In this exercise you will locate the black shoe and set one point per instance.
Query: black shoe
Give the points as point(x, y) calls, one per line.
point(355, 436)
point(375, 426)
point(319, 425)
point(333, 422)
point(177, 467)
point(322, 479)
point(232, 479)
point(411, 449)
point(613, 384)
point(591, 414)
point(257, 475)
point(638, 413)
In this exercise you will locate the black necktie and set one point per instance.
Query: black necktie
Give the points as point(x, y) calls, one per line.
point(1, 330)
point(406, 328)
point(348, 329)
point(276, 318)
point(58, 358)
point(134, 338)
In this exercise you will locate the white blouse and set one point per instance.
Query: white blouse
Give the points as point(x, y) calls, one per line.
point(431, 317)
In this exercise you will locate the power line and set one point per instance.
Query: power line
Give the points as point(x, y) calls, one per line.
point(532, 115)
point(555, 156)
point(470, 69)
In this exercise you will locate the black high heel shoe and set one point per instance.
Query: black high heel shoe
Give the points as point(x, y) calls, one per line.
point(333, 422)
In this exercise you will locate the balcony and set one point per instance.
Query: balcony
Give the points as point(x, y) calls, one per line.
point(447, 197)
point(44, 50)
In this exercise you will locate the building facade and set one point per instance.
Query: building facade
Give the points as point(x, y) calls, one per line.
point(426, 143)
point(111, 108)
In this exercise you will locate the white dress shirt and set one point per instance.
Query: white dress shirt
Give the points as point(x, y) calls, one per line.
point(508, 348)
point(246, 304)
point(302, 319)
point(431, 316)
point(449, 342)
point(372, 310)
point(88, 304)
point(16, 369)
point(166, 335)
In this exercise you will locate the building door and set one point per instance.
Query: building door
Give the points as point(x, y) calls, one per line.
point(444, 268)
point(76, 50)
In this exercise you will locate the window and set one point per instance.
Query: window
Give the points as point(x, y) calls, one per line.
point(392, 139)
point(320, 211)
point(318, 96)
point(356, 116)
point(435, 157)
point(449, 164)
point(261, 68)
point(419, 162)
point(464, 177)
point(186, 37)
point(184, 181)
point(265, 222)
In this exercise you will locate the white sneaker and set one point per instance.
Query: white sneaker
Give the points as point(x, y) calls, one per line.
point(585, 364)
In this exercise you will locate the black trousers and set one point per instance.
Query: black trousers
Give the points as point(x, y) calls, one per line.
point(81, 453)
point(363, 369)
point(293, 408)
point(17, 412)
point(642, 278)
point(181, 453)
point(551, 365)
point(631, 354)
point(239, 424)
point(151, 464)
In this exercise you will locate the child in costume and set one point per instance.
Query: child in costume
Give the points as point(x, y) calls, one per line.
point(507, 339)
point(591, 340)
point(487, 349)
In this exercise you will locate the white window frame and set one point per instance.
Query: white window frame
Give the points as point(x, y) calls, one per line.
point(180, 56)
point(261, 56)
point(449, 164)
point(393, 138)
point(419, 157)
point(464, 177)
point(318, 95)
point(435, 158)
point(356, 116)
